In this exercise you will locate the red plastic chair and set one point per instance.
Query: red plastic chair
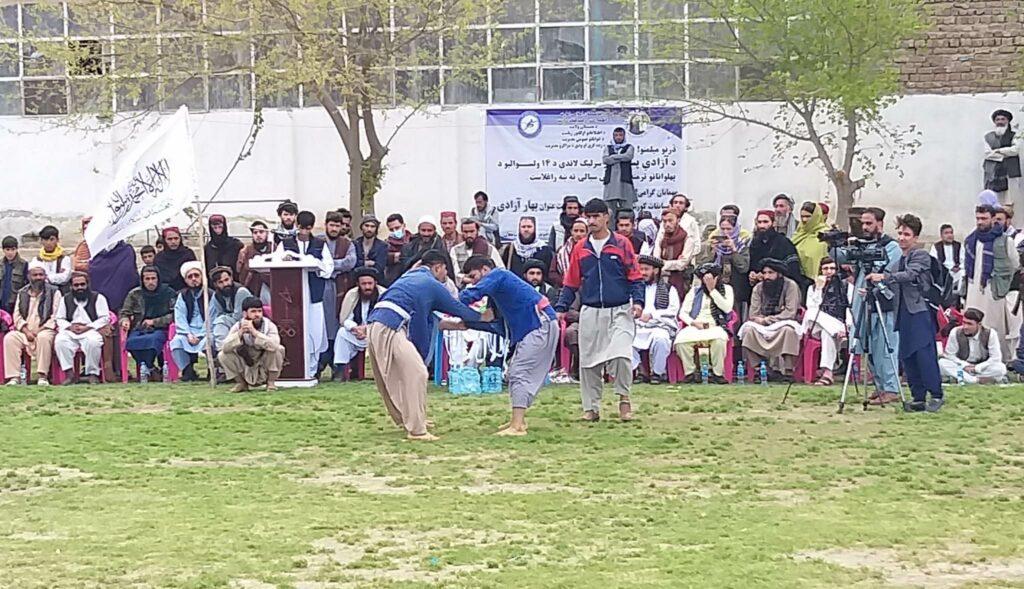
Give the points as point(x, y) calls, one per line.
point(806, 369)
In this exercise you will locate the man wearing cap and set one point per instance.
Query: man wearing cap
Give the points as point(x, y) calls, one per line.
point(450, 229)
point(534, 274)
point(705, 313)
point(341, 251)
point(603, 269)
point(619, 193)
point(426, 239)
point(287, 214)
point(473, 244)
point(35, 327)
point(355, 310)
point(401, 328)
point(252, 355)
point(657, 324)
point(256, 283)
point(304, 245)
point(785, 220)
point(82, 318)
point(371, 251)
point(527, 320)
point(560, 230)
point(226, 306)
point(190, 321)
point(13, 274)
point(771, 333)
point(1002, 160)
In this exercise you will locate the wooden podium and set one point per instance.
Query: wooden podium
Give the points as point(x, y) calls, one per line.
point(289, 298)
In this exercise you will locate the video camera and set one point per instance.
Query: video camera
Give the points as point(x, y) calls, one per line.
point(858, 251)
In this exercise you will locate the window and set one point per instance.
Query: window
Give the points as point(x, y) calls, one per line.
point(516, 11)
point(10, 98)
point(46, 97)
point(190, 92)
point(712, 80)
point(514, 85)
point(610, 10)
point(562, 44)
point(230, 91)
point(43, 20)
point(663, 81)
point(611, 43)
point(417, 86)
point(136, 94)
point(563, 84)
point(510, 46)
point(465, 87)
point(608, 82)
point(561, 10)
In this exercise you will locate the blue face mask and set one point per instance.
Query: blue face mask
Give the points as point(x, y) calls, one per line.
point(397, 234)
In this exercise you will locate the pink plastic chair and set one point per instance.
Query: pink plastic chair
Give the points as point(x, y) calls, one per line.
point(564, 358)
point(172, 369)
point(8, 323)
point(806, 370)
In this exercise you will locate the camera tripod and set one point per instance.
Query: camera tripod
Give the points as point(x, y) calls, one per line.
point(862, 327)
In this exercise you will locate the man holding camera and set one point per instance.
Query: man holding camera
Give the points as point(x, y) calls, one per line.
point(874, 252)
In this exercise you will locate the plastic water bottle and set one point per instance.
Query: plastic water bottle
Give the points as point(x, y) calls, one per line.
point(762, 372)
point(23, 374)
point(741, 373)
point(960, 376)
point(704, 372)
point(143, 374)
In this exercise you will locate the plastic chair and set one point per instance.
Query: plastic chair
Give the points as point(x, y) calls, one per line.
point(440, 360)
point(172, 369)
point(675, 363)
point(806, 369)
point(358, 366)
point(8, 323)
point(564, 357)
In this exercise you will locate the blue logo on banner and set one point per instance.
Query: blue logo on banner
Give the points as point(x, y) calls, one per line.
point(529, 124)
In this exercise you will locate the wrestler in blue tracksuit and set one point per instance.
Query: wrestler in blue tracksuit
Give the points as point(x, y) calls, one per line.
point(528, 321)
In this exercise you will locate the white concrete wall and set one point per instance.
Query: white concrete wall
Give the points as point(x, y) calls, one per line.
point(437, 162)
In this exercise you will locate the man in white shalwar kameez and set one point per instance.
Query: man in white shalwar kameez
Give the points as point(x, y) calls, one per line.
point(705, 311)
point(303, 246)
point(990, 262)
point(352, 318)
point(657, 324)
point(81, 315)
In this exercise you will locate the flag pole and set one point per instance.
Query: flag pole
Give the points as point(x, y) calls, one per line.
point(211, 371)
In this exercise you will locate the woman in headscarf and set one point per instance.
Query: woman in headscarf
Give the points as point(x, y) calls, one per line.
point(172, 257)
point(222, 249)
point(147, 312)
point(809, 248)
point(728, 246)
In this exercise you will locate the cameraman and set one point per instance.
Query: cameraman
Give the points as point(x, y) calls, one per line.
point(871, 337)
point(917, 325)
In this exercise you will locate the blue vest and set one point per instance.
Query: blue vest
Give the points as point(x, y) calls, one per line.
point(315, 249)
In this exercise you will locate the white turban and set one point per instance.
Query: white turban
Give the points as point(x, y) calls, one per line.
point(427, 219)
point(37, 264)
point(189, 266)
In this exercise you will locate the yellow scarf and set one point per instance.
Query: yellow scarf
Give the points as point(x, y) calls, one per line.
point(56, 254)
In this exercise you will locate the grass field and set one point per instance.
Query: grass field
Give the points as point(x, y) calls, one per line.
point(178, 486)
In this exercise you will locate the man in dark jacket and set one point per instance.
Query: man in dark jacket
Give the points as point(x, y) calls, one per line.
point(13, 274)
point(222, 249)
point(371, 251)
point(426, 239)
point(560, 230)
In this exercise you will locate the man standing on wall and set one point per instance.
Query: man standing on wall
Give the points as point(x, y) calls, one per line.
point(605, 272)
point(1002, 160)
point(619, 193)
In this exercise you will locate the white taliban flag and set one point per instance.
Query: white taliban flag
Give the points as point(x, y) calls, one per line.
point(155, 181)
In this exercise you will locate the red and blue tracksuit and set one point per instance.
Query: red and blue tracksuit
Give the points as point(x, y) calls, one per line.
point(606, 280)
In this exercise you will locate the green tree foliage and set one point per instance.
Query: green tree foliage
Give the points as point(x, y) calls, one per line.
point(831, 65)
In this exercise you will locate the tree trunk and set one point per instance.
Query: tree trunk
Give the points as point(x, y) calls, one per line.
point(355, 187)
point(845, 189)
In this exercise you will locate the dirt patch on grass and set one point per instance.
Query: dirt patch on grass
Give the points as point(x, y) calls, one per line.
point(249, 584)
point(145, 409)
point(223, 409)
point(950, 568)
point(786, 496)
point(487, 488)
point(362, 482)
point(37, 536)
point(37, 479)
point(396, 556)
point(258, 460)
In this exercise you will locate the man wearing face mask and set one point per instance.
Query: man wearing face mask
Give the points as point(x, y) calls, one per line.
point(82, 316)
point(398, 237)
point(1002, 160)
point(35, 326)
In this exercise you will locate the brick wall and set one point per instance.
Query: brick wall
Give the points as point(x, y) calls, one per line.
point(972, 46)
